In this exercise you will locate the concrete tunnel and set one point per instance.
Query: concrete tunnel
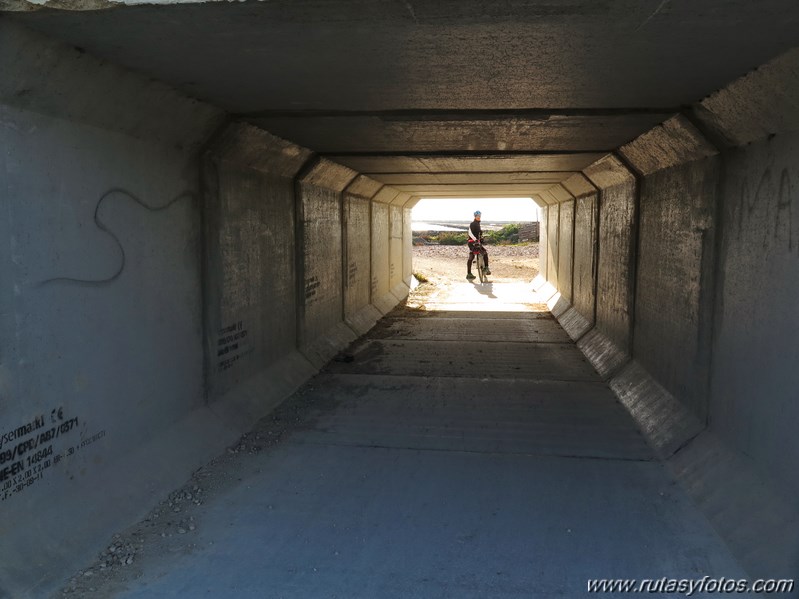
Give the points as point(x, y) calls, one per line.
point(204, 202)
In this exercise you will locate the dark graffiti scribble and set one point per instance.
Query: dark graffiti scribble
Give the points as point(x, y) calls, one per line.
point(100, 225)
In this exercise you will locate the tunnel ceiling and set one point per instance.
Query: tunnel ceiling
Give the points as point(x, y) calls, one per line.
point(441, 98)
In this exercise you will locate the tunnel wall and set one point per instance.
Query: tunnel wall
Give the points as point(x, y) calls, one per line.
point(608, 344)
point(382, 298)
point(676, 257)
point(322, 331)
point(407, 243)
point(101, 315)
point(543, 239)
point(398, 227)
point(359, 313)
point(565, 252)
point(577, 316)
point(553, 247)
point(756, 407)
point(157, 265)
point(250, 281)
point(697, 256)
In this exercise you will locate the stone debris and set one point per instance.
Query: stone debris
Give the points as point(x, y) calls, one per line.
point(171, 525)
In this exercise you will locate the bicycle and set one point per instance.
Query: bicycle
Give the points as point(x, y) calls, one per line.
point(477, 250)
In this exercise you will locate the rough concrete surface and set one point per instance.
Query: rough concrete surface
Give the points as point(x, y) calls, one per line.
point(366, 484)
point(754, 379)
point(358, 252)
point(101, 329)
point(127, 258)
point(566, 250)
point(553, 243)
point(672, 312)
point(586, 258)
point(615, 268)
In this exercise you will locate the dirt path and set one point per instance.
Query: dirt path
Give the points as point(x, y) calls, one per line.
point(444, 267)
point(446, 263)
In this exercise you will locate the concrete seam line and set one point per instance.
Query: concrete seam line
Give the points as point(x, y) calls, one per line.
point(371, 242)
point(715, 303)
point(588, 330)
point(207, 161)
point(574, 234)
point(345, 259)
point(207, 164)
point(711, 303)
point(595, 262)
point(636, 242)
point(715, 138)
point(299, 244)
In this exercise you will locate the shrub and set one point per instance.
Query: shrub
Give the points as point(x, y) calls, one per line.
point(448, 238)
point(507, 234)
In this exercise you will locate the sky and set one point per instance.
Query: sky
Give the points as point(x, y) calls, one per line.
point(512, 209)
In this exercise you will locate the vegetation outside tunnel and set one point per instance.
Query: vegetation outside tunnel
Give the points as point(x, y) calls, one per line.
point(507, 235)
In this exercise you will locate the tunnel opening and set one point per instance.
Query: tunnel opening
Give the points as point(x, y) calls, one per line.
point(668, 251)
point(442, 256)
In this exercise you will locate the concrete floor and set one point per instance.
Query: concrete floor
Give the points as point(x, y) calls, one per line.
point(466, 452)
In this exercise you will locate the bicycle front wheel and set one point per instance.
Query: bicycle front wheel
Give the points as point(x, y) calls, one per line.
point(481, 267)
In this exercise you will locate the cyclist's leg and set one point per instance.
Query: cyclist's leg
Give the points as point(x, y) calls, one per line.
point(469, 263)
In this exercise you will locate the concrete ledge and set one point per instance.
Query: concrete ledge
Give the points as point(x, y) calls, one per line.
point(608, 172)
point(558, 305)
point(247, 146)
point(760, 104)
point(400, 291)
point(559, 194)
point(579, 186)
point(674, 142)
point(363, 187)
point(667, 423)
point(549, 198)
point(385, 303)
point(401, 199)
point(49, 77)
point(574, 323)
point(603, 354)
point(329, 175)
point(253, 399)
point(538, 282)
point(321, 350)
point(760, 525)
point(386, 195)
point(546, 292)
point(364, 319)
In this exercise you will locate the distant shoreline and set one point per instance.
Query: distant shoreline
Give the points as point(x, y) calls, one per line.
point(460, 225)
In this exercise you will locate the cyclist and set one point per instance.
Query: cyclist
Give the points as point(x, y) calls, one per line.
point(476, 236)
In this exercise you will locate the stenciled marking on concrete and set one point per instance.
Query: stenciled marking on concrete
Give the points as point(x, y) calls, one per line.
point(231, 345)
point(30, 450)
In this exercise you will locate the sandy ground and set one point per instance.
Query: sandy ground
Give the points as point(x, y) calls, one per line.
point(447, 263)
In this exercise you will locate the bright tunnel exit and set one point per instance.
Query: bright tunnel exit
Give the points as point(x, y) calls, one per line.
point(452, 277)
